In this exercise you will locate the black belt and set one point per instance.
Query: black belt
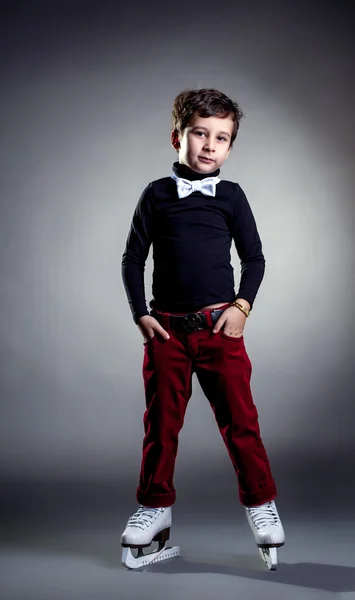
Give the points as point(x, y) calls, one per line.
point(189, 322)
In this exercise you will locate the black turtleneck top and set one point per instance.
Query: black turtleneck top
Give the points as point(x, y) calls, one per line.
point(191, 240)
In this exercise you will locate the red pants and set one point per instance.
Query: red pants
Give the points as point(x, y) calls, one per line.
point(223, 370)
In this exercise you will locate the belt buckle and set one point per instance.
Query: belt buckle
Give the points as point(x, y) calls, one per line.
point(192, 322)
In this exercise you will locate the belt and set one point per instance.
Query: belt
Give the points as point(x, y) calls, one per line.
point(190, 322)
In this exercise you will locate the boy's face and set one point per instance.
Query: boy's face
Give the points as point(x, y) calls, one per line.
point(204, 138)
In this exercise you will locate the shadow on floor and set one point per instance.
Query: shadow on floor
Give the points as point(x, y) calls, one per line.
point(332, 578)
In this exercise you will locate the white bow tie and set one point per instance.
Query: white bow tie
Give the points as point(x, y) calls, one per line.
point(185, 187)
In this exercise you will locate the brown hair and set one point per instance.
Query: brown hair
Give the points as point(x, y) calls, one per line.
point(207, 102)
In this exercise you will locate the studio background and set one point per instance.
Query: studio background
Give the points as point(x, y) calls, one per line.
point(86, 113)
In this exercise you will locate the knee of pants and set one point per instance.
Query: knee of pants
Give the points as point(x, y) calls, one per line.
point(162, 426)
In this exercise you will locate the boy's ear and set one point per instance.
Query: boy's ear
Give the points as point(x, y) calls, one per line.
point(175, 140)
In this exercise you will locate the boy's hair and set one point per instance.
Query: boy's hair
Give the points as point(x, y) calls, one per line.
point(207, 102)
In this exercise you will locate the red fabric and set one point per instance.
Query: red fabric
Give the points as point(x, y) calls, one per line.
point(223, 369)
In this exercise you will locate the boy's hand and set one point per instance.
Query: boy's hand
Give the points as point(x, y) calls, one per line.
point(149, 327)
point(233, 321)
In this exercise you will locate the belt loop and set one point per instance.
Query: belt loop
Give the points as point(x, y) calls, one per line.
point(166, 321)
point(209, 318)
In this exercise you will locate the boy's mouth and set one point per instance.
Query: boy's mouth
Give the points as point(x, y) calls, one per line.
point(205, 159)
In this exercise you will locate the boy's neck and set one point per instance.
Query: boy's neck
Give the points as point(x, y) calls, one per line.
point(184, 171)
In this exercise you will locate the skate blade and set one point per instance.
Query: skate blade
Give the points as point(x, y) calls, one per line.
point(143, 560)
point(269, 556)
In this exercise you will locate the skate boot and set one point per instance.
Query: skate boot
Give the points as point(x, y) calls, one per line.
point(146, 526)
point(268, 532)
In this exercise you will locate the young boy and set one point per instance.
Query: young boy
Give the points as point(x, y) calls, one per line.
point(197, 321)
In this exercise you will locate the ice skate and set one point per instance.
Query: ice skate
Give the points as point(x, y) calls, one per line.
point(267, 528)
point(146, 526)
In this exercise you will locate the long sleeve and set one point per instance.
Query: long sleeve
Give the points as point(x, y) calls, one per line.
point(249, 248)
point(136, 252)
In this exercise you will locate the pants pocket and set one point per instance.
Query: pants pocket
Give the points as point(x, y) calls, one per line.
point(229, 337)
point(149, 341)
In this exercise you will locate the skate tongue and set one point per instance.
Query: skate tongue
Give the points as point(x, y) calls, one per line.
point(143, 517)
point(263, 514)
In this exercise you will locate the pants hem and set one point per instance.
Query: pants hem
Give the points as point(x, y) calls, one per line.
point(265, 495)
point(156, 500)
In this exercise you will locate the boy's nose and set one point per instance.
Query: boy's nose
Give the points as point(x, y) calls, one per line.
point(210, 146)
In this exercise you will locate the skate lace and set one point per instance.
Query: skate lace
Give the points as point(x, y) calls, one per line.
point(144, 517)
point(264, 516)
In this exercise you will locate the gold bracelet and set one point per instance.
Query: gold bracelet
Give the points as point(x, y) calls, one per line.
point(241, 307)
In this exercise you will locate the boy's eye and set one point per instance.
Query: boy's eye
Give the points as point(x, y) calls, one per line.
point(220, 137)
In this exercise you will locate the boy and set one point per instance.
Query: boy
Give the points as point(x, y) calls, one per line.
point(196, 323)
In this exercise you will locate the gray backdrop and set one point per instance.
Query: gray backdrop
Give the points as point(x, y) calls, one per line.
point(87, 90)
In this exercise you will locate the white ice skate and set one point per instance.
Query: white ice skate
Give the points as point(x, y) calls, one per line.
point(267, 528)
point(146, 526)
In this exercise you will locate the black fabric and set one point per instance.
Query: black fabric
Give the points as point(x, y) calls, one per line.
point(191, 239)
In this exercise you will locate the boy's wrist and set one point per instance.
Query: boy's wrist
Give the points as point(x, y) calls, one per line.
point(142, 316)
point(242, 305)
point(243, 302)
point(137, 318)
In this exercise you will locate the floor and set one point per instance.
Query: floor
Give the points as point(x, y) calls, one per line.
point(77, 556)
